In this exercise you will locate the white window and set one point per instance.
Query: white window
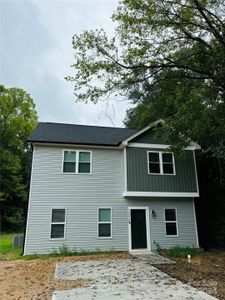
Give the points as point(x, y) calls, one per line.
point(78, 162)
point(161, 163)
point(58, 221)
point(171, 222)
point(105, 222)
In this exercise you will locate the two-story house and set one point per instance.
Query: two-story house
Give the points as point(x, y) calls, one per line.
point(109, 188)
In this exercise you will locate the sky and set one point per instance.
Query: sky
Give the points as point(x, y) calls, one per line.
point(36, 55)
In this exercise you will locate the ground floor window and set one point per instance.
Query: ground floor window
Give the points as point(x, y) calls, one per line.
point(171, 221)
point(104, 222)
point(58, 221)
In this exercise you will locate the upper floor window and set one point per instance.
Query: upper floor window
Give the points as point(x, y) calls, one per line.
point(161, 163)
point(78, 161)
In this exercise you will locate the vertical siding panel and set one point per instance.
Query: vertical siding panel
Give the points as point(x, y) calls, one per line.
point(138, 178)
point(148, 137)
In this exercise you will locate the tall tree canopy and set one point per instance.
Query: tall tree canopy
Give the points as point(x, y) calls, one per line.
point(17, 119)
point(189, 107)
point(172, 41)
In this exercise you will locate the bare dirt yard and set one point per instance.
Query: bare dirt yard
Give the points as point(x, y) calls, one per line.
point(206, 272)
point(34, 279)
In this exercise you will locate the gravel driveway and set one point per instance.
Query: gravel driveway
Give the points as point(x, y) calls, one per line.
point(123, 279)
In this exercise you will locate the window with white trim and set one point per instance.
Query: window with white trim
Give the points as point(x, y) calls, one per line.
point(58, 222)
point(104, 222)
point(161, 163)
point(77, 162)
point(171, 221)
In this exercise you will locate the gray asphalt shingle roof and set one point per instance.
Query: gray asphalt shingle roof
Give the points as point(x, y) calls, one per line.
point(79, 134)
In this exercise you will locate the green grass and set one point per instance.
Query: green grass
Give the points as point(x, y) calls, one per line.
point(64, 251)
point(7, 252)
point(6, 247)
point(182, 252)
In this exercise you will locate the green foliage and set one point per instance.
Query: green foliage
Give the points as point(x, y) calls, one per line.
point(32, 257)
point(210, 206)
point(17, 119)
point(64, 251)
point(151, 36)
point(178, 251)
point(188, 108)
point(7, 252)
point(158, 248)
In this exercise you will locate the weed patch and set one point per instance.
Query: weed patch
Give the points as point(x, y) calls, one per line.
point(178, 251)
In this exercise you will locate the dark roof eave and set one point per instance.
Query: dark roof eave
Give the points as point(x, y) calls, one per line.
point(70, 143)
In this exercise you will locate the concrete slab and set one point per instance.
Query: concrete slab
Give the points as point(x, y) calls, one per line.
point(125, 279)
point(153, 258)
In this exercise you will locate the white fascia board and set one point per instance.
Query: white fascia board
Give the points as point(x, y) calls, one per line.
point(159, 194)
point(194, 145)
point(161, 146)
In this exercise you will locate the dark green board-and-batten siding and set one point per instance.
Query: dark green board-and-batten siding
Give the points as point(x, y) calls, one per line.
point(148, 137)
point(138, 178)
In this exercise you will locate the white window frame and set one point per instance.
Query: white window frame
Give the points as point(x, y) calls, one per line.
point(57, 223)
point(100, 222)
point(77, 162)
point(171, 235)
point(161, 163)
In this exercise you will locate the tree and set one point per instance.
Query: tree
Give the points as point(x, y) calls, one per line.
point(17, 119)
point(189, 107)
point(156, 41)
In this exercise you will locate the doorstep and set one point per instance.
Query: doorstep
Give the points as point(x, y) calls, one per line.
point(140, 252)
point(152, 258)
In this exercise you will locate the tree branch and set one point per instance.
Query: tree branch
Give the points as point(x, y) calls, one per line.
point(214, 31)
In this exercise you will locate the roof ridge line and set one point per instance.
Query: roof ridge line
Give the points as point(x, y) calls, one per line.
point(58, 123)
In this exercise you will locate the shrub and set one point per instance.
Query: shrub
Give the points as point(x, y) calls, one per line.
point(178, 251)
